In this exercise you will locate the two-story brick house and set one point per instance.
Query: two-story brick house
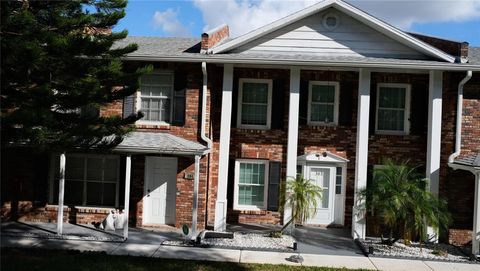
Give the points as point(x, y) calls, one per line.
point(326, 92)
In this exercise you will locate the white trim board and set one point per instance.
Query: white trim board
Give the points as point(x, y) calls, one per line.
point(378, 25)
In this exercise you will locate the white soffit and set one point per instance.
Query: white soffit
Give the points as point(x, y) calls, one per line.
point(378, 25)
point(325, 157)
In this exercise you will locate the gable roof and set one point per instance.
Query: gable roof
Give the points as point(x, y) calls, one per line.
point(380, 26)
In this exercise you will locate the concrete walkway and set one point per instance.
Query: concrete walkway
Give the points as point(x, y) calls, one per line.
point(147, 243)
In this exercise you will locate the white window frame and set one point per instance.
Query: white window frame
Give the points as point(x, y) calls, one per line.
point(237, 206)
point(334, 122)
point(85, 181)
point(269, 105)
point(406, 117)
point(138, 104)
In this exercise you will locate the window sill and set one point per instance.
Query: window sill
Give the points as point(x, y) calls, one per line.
point(54, 207)
point(392, 133)
point(90, 209)
point(322, 124)
point(249, 208)
point(253, 127)
point(152, 125)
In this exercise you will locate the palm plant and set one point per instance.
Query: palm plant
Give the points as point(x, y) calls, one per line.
point(301, 196)
point(398, 196)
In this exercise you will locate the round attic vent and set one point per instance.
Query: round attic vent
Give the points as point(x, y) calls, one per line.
point(330, 21)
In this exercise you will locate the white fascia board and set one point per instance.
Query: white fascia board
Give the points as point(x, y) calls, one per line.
point(225, 59)
point(350, 10)
point(272, 27)
point(157, 151)
point(393, 32)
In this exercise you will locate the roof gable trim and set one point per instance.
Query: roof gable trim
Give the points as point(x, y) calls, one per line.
point(378, 25)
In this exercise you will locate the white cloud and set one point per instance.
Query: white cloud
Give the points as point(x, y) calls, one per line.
point(405, 13)
point(246, 15)
point(168, 22)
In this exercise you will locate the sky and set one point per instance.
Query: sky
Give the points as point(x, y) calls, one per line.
point(451, 19)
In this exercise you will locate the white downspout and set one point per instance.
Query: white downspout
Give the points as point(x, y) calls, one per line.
point(458, 130)
point(204, 107)
point(196, 178)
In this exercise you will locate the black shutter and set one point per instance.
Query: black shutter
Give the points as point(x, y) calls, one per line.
point(230, 183)
point(419, 110)
point(275, 173)
point(303, 102)
point(278, 95)
point(179, 89)
point(345, 110)
point(234, 102)
point(373, 109)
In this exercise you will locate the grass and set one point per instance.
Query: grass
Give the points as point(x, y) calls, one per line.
point(52, 260)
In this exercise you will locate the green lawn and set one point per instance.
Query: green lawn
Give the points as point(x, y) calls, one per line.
point(51, 260)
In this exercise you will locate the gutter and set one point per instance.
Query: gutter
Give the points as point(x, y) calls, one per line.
point(136, 150)
point(357, 64)
point(204, 107)
point(458, 130)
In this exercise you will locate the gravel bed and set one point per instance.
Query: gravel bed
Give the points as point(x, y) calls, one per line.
point(437, 252)
point(248, 241)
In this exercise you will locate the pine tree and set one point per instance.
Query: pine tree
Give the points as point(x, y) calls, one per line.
point(59, 67)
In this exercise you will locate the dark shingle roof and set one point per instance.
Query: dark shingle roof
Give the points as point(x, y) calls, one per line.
point(158, 46)
point(471, 160)
point(148, 142)
point(188, 49)
point(474, 55)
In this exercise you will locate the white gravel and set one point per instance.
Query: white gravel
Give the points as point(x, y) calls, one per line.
point(427, 251)
point(250, 241)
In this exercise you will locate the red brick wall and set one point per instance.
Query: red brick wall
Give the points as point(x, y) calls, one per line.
point(113, 109)
point(460, 184)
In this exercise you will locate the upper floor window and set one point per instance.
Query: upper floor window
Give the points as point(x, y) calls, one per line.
point(323, 103)
point(254, 103)
point(393, 108)
point(156, 90)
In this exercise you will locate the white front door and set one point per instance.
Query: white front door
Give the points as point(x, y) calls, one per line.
point(324, 177)
point(160, 190)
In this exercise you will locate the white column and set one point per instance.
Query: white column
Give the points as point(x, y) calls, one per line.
point(224, 149)
point(126, 205)
point(61, 192)
point(292, 143)
point(434, 130)
point(196, 178)
point(476, 217)
point(434, 137)
point(361, 156)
